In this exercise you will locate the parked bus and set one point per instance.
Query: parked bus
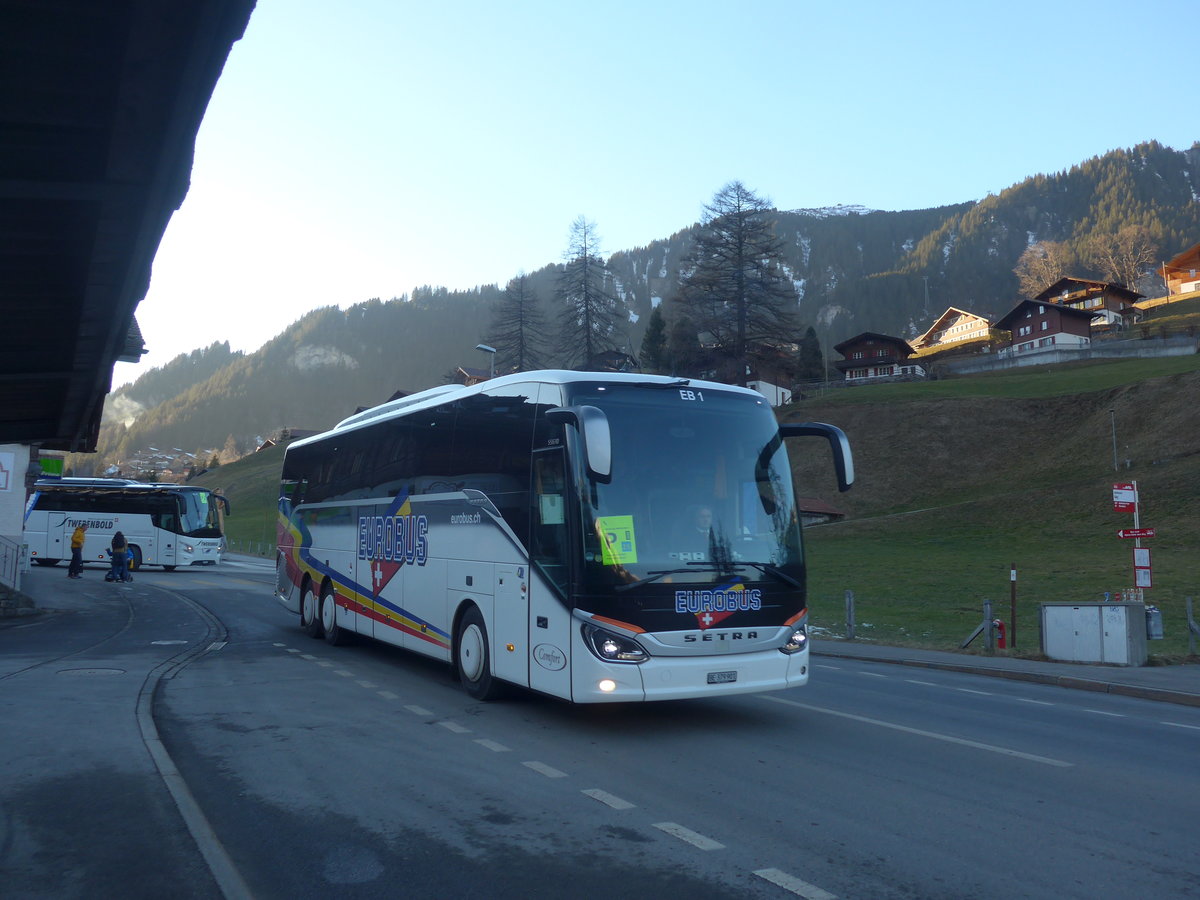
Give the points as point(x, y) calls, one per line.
point(541, 529)
point(165, 525)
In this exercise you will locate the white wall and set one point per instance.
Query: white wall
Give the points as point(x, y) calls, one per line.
point(14, 463)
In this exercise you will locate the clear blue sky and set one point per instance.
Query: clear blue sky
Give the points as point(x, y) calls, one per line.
point(359, 149)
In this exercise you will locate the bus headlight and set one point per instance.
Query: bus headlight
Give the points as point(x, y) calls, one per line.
point(797, 642)
point(612, 647)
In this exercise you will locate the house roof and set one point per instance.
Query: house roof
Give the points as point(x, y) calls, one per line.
point(1190, 255)
point(1068, 311)
point(1105, 287)
point(99, 114)
point(816, 505)
point(873, 336)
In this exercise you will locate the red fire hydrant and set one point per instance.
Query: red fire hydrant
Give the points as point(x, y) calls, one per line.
point(1001, 634)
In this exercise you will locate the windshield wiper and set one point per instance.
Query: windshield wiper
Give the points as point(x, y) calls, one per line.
point(769, 569)
point(662, 573)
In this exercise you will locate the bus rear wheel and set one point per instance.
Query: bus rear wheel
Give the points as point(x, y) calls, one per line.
point(42, 561)
point(335, 635)
point(310, 611)
point(472, 659)
point(136, 562)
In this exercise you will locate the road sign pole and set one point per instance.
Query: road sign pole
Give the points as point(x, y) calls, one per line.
point(1012, 612)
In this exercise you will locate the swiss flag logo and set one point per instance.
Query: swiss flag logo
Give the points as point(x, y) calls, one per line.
point(382, 572)
point(707, 620)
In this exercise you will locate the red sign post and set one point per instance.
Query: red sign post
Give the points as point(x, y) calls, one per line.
point(1135, 533)
point(1125, 497)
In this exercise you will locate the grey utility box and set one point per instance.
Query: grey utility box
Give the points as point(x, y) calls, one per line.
point(1112, 633)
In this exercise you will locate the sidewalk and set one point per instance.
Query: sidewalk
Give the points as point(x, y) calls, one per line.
point(1170, 684)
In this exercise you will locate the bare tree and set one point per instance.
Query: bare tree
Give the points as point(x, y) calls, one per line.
point(1042, 264)
point(733, 283)
point(589, 308)
point(1122, 257)
point(518, 330)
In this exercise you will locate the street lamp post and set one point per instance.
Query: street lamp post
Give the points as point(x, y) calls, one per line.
point(491, 351)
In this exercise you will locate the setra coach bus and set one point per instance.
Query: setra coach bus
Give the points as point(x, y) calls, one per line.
point(592, 536)
point(166, 525)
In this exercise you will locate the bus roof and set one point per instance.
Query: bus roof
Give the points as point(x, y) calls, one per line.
point(446, 393)
point(114, 484)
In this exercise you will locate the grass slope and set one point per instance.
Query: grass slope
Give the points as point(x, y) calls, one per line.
point(960, 479)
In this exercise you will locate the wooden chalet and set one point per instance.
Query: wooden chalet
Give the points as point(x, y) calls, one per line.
point(814, 511)
point(1109, 303)
point(1182, 274)
point(954, 328)
point(869, 356)
point(1037, 325)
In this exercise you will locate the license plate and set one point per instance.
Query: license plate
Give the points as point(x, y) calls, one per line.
point(722, 677)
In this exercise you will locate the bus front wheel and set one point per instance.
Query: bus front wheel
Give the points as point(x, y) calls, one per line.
point(334, 634)
point(472, 658)
point(310, 613)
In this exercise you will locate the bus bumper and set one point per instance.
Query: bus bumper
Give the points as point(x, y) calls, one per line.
point(686, 677)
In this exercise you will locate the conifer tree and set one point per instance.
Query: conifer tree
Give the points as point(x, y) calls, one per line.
point(589, 308)
point(654, 342)
point(733, 283)
point(518, 330)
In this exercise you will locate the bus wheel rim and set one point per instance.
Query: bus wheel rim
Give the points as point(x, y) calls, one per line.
point(328, 607)
point(470, 652)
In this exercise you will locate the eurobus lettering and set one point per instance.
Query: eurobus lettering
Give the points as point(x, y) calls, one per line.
point(594, 537)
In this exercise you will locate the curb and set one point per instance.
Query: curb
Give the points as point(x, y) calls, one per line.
point(1161, 695)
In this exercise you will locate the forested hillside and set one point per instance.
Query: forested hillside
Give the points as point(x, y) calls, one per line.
point(854, 270)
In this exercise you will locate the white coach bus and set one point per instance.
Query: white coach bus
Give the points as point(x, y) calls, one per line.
point(595, 537)
point(166, 525)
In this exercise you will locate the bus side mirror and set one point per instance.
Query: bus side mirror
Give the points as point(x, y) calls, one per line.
point(592, 424)
point(843, 459)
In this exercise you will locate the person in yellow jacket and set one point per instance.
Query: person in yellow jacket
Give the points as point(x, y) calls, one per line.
point(75, 570)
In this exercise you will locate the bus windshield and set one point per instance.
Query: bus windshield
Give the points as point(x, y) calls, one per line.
point(706, 494)
point(199, 513)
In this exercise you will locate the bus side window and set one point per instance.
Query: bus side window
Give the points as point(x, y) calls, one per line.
point(550, 542)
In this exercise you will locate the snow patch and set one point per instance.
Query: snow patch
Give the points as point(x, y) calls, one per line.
point(655, 302)
point(313, 357)
point(825, 212)
point(827, 314)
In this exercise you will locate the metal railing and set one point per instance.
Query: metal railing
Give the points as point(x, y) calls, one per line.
point(10, 563)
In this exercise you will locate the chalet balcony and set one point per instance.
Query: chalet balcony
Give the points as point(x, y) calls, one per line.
point(892, 359)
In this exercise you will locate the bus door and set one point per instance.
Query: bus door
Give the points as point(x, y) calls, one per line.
point(549, 558)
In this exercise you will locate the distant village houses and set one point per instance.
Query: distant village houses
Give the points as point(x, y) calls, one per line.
point(870, 356)
point(1110, 304)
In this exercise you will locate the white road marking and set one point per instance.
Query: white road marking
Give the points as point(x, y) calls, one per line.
point(418, 710)
point(325, 664)
point(388, 695)
point(367, 684)
point(309, 657)
point(493, 746)
point(795, 885)
point(1038, 702)
point(543, 769)
point(608, 799)
point(969, 691)
point(914, 681)
point(692, 837)
point(1181, 725)
point(455, 727)
point(991, 748)
point(344, 673)
point(292, 650)
point(1101, 712)
point(824, 666)
point(873, 674)
point(277, 644)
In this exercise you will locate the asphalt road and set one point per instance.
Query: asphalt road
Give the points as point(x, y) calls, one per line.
point(251, 760)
